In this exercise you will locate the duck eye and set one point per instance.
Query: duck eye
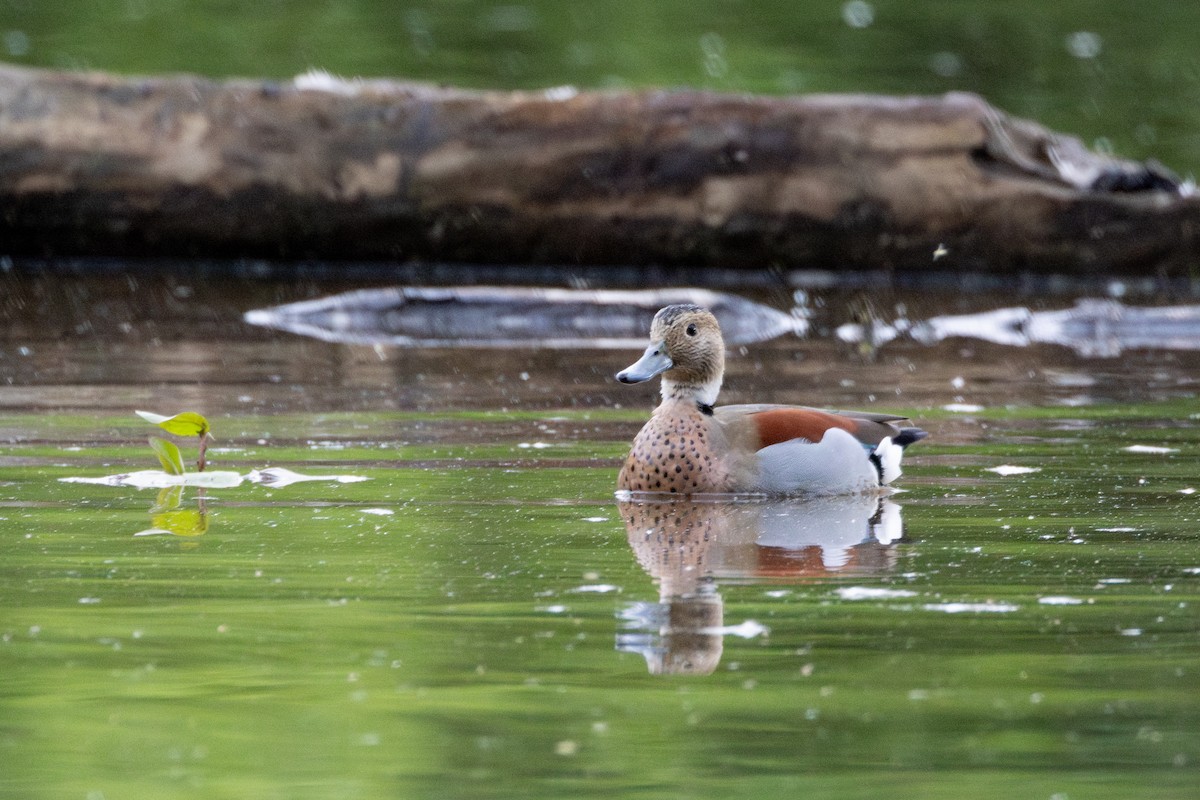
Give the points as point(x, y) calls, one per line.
point(691, 329)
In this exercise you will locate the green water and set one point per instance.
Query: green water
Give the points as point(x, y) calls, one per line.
point(449, 627)
point(1122, 75)
point(481, 619)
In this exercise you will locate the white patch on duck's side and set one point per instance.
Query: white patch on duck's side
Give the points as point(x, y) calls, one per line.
point(837, 464)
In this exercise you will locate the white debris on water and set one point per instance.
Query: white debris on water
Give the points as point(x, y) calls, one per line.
point(279, 476)
point(872, 593)
point(971, 608)
point(213, 479)
point(1059, 600)
point(963, 408)
point(1148, 448)
point(747, 630)
point(157, 479)
point(1012, 469)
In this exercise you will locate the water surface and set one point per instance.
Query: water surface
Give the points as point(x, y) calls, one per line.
point(481, 618)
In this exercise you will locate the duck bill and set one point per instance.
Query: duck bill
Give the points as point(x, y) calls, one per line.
point(653, 362)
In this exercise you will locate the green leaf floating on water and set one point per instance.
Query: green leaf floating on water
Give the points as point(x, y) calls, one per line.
point(186, 423)
point(168, 455)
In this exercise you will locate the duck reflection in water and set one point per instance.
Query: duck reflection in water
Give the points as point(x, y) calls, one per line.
point(688, 545)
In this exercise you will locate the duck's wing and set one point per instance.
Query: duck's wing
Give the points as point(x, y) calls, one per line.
point(772, 424)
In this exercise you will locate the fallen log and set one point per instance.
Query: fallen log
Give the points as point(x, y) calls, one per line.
point(94, 164)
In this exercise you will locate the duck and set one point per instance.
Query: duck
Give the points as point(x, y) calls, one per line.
point(691, 447)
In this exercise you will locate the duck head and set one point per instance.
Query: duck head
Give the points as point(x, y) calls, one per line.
point(686, 348)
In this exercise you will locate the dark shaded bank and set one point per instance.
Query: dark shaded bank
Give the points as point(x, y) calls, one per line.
point(98, 165)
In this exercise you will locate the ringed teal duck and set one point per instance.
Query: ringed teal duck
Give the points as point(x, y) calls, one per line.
point(689, 447)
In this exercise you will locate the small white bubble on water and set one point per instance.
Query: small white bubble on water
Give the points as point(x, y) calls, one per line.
point(1131, 632)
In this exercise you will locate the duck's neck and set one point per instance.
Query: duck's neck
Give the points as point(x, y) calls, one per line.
point(703, 393)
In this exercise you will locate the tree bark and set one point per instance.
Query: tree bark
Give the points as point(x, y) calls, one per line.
point(98, 165)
